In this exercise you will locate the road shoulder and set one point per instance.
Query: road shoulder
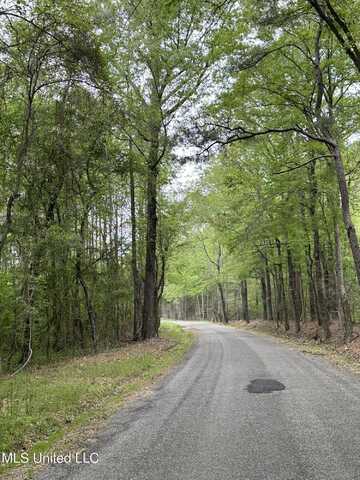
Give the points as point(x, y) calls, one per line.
point(108, 382)
point(341, 356)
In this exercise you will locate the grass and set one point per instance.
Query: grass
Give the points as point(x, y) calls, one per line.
point(40, 407)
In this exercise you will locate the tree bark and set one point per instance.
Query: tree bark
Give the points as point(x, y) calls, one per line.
point(343, 305)
point(244, 301)
point(150, 299)
point(88, 303)
point(311, 284)
point(323, 314)
point(137, 327)
point(223, 303)
point(264, 296)
point(283, 310)
point(339, 28)
point(345, 208)
point(295, 291)
point(150, 283)
point(269, 308)
point(320, 298)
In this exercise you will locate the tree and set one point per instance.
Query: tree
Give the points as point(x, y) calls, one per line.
point(336, 18)
point(163, 42)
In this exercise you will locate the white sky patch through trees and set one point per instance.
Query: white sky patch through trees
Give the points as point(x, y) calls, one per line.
point(185, 179)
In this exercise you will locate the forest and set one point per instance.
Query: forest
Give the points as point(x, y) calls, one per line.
point(105, 105)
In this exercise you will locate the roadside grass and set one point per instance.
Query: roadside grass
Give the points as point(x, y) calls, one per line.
point(39, 407)
point(341, 355)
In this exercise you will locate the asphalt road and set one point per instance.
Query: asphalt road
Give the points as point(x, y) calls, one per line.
point(208, 420)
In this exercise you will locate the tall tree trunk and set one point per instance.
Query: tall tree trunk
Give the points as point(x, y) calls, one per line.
point(345, 208)
point(244, 301)
point(21, 154)
point(277, 299)
point(343, 305)
point(150, 301)
point(78, 324)
point(88, 303)
point(311, 284)
point(150, 283)
point(323, 314)
point(137, 327)
point(223, 303)
point(281, 285)
point(336, 23)
point(320, 298)
point(309, 264)
point(295, 291)
point(332, 144)
point(264, 296)
point(203, 313)
point(160, 289)
point(269, 308)
point(28, 296)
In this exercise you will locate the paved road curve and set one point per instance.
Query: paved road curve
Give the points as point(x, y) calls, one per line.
point(202, 423)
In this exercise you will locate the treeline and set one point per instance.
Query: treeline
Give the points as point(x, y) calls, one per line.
point(65, 200)
point(95, 96)
point(211, 306)
point(280, 199)
point(285, 256)
point(89, 91)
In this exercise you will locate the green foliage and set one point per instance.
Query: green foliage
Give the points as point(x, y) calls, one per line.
point(39, 407)
point(92, 91)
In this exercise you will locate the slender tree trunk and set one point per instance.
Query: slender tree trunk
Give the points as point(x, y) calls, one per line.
point(269, 308)
point(309, 266)
point(320, 291)
point(277, 298)
point(134, 261)
point(91, 314)
point(339, 28)
point(281, 286)
point(264, 296)
point(223, 303)
point(21, 157)
point(329, 263)
point(333, 146)
point(150, 303)
point(160, 290)
point(345, 208)
point(150, 286)
point(28, 296)
point(343, 305)
point(311, 284)
point(295, 291)
point(78, 323)
point(244, 301)
point(320, 298)
point(88, 303)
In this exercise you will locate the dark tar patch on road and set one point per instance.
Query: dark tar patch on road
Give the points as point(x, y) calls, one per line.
point(264, 385)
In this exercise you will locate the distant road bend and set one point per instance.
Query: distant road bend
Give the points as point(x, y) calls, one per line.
point(241, 407)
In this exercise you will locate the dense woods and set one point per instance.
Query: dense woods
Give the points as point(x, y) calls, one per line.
point(271, 230)
point(102, 105)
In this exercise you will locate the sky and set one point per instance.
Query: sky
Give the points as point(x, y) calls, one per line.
point(185, 179)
